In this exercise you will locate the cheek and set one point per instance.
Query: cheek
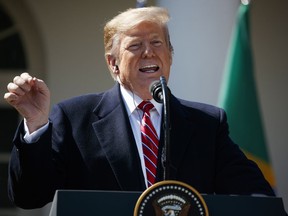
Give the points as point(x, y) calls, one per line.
point(125, 66)
point(128, 58)
point(168, 60)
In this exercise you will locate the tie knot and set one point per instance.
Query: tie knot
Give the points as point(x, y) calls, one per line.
point(146, 106)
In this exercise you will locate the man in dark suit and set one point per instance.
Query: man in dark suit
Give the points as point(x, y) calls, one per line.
point(94, 141)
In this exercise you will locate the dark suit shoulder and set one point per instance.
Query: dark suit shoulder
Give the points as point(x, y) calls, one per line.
point(76, 107)
point(91, 100)
point(83, 106)
point(82, 100)
point(200, 109)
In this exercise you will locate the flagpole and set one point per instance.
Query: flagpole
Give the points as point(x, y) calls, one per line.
point(141, 3)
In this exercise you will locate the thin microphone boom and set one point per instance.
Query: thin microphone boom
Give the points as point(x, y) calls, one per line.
point(159, 91)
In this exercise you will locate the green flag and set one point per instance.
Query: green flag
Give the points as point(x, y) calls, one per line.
point(238, 96)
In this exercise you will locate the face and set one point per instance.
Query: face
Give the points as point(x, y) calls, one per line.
point(144, 56)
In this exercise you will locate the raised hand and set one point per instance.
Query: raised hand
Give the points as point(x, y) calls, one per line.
point(30, 96)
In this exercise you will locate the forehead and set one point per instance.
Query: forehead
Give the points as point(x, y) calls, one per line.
point(145, 29)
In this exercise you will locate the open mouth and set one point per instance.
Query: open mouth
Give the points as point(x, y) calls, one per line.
point(149, 68)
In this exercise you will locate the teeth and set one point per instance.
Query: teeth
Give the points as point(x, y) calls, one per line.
point(149, 68)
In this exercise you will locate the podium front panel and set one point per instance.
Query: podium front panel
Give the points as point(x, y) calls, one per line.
point(109, 203)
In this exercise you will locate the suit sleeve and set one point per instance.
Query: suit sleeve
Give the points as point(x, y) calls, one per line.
point(33, 176)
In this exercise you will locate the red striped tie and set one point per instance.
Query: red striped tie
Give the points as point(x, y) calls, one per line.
point(149, 142)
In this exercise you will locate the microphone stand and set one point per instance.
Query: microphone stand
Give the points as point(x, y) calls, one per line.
point(166, 127)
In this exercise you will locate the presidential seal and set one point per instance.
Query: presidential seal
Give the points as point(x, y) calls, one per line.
point(170, 198)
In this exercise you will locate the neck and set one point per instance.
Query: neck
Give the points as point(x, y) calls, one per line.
point(144, 95)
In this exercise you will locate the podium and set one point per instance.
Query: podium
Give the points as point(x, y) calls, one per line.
point(110, 203)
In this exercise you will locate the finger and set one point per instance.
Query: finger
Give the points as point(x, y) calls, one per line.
point(23, 82)
point(26, 76)
point(10, 97)
point(32, 81)
point(13, 88)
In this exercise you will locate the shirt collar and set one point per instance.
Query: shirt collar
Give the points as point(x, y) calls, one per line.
point(132, 101)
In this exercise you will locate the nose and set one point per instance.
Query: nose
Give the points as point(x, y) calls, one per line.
point(148, 51)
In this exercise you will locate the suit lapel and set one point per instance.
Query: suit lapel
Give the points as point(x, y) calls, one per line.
point(116, 138)
point(115, 135)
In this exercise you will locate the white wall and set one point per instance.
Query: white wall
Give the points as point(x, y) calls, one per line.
point(200, 32)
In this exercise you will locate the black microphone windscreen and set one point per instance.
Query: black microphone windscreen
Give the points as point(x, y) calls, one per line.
point(156, 91)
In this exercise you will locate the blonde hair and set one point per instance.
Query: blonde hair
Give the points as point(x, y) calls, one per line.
point(129, 19)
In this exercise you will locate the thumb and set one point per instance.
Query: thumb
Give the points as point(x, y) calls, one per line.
point(39, 84)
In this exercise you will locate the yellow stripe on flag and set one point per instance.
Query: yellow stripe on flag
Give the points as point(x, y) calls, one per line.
point(266, 169)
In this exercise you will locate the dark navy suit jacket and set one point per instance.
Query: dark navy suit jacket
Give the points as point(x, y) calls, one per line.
point(90, 145)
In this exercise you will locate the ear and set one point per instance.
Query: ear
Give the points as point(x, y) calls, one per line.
point(111, 62)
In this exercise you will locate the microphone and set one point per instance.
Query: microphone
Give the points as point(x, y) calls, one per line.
point(156, 91)
point(159, 92)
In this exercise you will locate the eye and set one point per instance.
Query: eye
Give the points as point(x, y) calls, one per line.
point(134, 46)
point(156, 43)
